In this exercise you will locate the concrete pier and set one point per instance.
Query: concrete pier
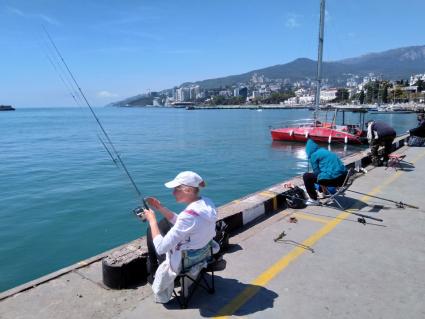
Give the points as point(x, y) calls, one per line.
point(326, 266)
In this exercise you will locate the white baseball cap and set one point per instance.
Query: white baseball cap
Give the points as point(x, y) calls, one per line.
point(187, 178)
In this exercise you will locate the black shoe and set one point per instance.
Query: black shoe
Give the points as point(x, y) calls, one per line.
point(151, 278)
point(177, 282)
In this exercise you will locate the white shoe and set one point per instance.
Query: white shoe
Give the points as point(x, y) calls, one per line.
point(312, 202)
point(323, 195)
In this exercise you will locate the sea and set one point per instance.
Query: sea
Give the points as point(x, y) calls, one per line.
point(63, 199)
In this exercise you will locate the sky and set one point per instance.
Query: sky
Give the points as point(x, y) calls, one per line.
point(117, 49)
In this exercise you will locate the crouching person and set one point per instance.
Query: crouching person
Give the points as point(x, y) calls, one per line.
point(192, 229)
point(380, 134)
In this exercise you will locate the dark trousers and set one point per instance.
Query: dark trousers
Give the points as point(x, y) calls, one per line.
point(310, 179)
point(153, 258)
point(387, 142)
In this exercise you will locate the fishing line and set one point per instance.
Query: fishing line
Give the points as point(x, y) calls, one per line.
point(108, 145)
point(62, 75)
point(50, 55)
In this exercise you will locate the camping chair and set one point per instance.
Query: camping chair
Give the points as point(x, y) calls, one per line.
point(395, 160)
point(340, 191)
point(195, 264)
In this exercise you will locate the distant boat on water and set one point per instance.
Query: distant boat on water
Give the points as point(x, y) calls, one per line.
point(392, 109)
point(6, 108)
point(182, 104)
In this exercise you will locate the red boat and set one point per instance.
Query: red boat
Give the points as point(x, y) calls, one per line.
point(321, 132)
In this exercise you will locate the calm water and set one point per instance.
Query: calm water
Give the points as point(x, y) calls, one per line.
point(63, 200)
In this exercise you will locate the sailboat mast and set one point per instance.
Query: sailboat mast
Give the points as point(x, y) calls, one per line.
point(319, 58)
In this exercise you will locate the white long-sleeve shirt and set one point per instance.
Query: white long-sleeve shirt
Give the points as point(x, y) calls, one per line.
point(193, 228)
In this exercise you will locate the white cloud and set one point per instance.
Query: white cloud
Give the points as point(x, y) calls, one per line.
point(36, 16)
point(106, 94)
point(47, 19)
point(292, 21)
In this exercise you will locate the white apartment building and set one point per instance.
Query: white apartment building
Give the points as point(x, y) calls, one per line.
point(414, 78)
point(328, 95)
point(182, 94)
point(306, 99)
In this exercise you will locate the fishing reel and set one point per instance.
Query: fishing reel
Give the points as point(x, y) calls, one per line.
point(138, 211)
point(361, 220)
point(400, 205)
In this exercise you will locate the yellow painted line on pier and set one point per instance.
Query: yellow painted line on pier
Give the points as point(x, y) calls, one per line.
point(272, 195)
point(310, 217)
point(274, 203)
point(264, 278)
point(267, 194)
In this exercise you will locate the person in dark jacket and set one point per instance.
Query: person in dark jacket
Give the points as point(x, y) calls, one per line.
point(417, 134)
point(380, 134)
point(420, 129)
point(328, 170)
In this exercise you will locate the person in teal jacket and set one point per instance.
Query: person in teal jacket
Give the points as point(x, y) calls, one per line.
point(328, 170)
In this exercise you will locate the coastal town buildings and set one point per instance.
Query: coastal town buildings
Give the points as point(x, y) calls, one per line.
point(260, 89)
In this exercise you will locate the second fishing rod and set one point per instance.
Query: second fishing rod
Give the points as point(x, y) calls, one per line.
point(108, 145)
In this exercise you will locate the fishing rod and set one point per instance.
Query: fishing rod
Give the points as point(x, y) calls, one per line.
point(399, 204)
point(361, 218)
point(113, 151)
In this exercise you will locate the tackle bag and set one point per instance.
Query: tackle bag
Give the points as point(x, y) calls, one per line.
point(295, 198)
point(416, 141)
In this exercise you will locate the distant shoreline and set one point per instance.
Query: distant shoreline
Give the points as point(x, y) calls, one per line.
point(223, 107)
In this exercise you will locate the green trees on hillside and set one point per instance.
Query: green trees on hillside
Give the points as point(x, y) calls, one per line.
point(342, 95)
point(276, 98)
point(421, 85)
point(362, 97)
point(222, 100)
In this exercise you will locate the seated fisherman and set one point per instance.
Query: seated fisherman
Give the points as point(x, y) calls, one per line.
point(419, 131)
point(328, 170)
point(193, 228)
point(380, 134)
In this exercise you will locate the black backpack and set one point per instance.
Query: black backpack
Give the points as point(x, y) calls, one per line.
point(295, 198)
point(222, 235)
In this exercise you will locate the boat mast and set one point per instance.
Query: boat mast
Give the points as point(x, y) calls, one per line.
point(319, 58)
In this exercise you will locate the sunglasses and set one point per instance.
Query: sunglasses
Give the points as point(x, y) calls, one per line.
point(183, 188)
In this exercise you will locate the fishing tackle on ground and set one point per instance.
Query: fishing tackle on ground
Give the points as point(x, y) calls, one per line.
point(399, 204)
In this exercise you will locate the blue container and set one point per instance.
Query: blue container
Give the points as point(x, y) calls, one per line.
point(331, 189)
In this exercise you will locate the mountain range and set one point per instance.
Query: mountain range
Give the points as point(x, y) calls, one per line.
point(393, 64)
